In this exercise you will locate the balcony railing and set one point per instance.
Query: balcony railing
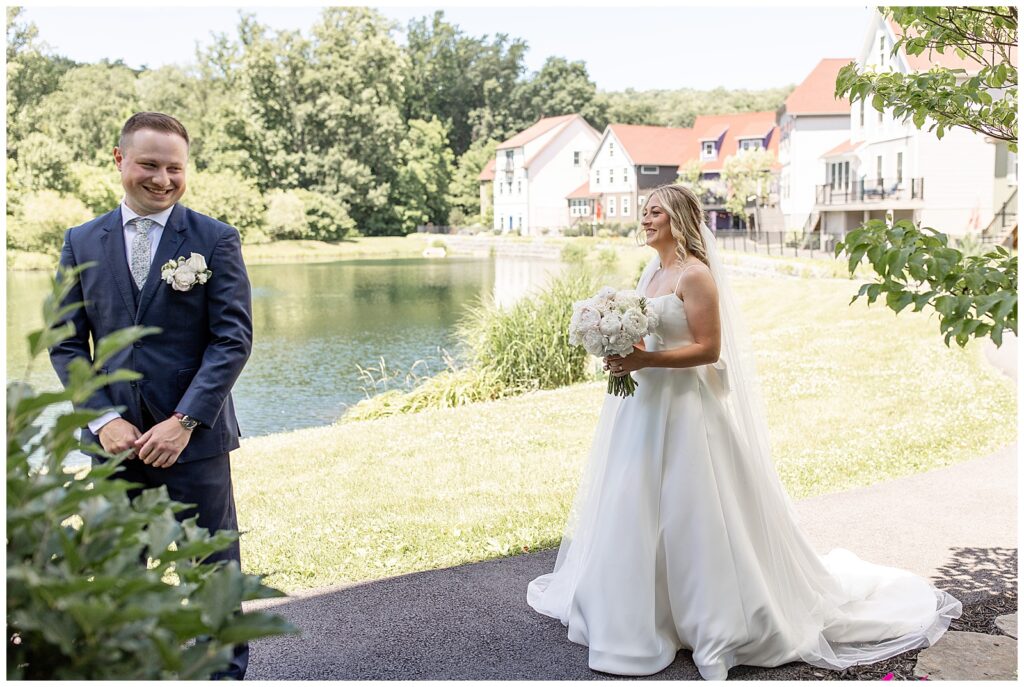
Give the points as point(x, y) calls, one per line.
point(863, 191)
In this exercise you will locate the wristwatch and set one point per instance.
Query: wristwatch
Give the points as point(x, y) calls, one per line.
point(187, 422)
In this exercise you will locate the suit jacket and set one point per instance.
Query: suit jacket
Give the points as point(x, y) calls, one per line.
point(206, 337)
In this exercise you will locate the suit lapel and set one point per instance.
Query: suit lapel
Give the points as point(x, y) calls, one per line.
point(113, 246)
point(170, 241)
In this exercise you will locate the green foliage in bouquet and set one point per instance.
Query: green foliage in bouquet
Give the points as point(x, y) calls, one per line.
point(80, 602)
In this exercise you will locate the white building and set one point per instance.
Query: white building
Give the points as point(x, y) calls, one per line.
point(812, 122)
point(955, 185)
point(536, 169)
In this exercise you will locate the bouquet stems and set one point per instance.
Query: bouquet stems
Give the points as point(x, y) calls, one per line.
point(621, 386)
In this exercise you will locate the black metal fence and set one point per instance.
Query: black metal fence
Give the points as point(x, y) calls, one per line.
point(796, 244)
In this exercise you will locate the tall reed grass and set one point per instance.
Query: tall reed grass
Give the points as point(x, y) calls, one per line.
point(511, 351)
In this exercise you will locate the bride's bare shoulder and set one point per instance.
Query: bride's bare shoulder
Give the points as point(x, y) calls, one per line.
point(694, 278)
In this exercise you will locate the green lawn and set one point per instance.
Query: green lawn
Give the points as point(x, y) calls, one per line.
point(855, 396)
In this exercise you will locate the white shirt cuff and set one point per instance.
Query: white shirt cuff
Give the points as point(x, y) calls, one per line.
point(96, 424)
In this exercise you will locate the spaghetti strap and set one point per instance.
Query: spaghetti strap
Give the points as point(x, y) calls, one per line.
point(675, 289)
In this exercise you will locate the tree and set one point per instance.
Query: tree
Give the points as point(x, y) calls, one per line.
point(975, 296)
point(229, 197)
point(88, 109)
point(691, 175)
point(31, 74)
point(985, 102)
point(450, 69)
point(421, 187)
point(464, 190)
point(747, 175)
point(44, 163)
point(560, 87)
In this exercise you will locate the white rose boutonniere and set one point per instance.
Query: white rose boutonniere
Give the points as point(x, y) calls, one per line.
point(182, 274)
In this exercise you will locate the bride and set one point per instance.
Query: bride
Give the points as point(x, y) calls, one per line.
point(681, 535)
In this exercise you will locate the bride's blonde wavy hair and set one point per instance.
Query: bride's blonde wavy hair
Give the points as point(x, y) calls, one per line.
point(685, 213)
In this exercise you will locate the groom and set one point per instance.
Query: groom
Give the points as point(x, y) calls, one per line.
point(178, 418)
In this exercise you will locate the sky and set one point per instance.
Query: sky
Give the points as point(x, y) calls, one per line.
point(741, 46)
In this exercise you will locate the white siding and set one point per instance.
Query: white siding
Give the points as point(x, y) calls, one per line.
point(802, 167)
point(552, 176)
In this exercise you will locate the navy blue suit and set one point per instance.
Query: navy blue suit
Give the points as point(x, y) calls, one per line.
point(189, 367)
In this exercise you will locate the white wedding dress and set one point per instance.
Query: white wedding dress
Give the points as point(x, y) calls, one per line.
point(680, 538)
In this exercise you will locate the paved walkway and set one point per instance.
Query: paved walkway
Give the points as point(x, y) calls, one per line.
point(955, 525)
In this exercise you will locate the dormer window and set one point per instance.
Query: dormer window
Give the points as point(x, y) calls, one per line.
point(707, 151)
point(751, 144)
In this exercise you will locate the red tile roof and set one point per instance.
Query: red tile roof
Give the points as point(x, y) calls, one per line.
point(488, 172)
point(846, 146)
point(582, 192)
point(538, 129)
point(652, 145)
point(816, 93)
point(735, 126)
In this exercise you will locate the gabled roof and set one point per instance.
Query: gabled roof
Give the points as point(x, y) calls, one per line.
point(731, 128)
point(843, 148)
point(537, 130)
point(488, 172)
point(816, 94)
point(651, 145)
point(582, 192)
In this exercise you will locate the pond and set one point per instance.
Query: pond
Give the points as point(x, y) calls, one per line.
point(316, 325)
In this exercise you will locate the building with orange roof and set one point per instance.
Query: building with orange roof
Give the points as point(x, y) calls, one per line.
point(535, 170)
point(629, 161)
point(715, 139)
point(811, 122)
point(887, 165)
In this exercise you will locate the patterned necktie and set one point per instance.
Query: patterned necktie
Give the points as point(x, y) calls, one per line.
point(140, 251)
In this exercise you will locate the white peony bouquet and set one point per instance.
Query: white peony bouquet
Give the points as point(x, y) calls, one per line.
point(183, 274)
point(611, 323)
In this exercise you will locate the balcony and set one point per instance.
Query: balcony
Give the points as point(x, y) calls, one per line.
point(864, 192)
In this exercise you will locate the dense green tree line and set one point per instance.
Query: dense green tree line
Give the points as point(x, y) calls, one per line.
point(314, 135)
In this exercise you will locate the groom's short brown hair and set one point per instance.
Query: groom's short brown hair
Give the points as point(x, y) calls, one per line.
point(157, 121)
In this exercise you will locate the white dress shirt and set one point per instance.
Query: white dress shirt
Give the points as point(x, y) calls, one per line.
point(154, 234)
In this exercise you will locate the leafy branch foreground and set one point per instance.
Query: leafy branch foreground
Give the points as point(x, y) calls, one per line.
point(974, 295)
point(98, 586)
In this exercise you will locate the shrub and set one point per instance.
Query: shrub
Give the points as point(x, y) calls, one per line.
point(43, 218)
point(229, 197)
point(80, 604)
point(526, 346)
point(574, 253)
point(302, 214)
point(98, 188)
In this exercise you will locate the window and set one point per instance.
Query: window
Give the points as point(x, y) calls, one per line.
point(640, 201)
point(597, 177)
point(899, 168)
point(519, 222)
point(708, 150)
point(611, 149)
point(751, 144)
point(611, 175)
point(611, 205)
point(575, 158)
point(519, 186)
point(625, 174)
point(649, 169)
point(508, 159)
point(501, 187)
point(881, 51)
point(878, 169)
point(846, 174)
point(625, 206)
point(880, 115)
point(862, 112)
